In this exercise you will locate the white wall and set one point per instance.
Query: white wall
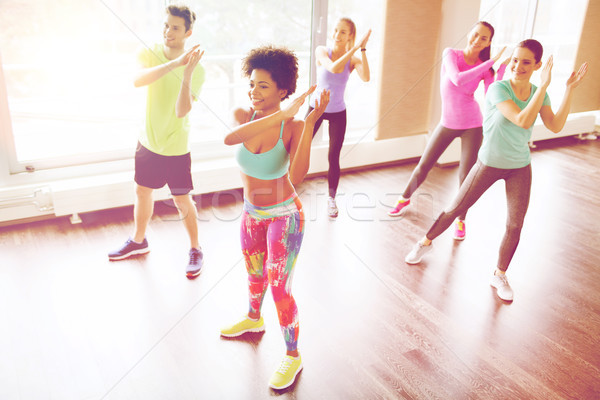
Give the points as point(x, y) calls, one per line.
point(105, 185)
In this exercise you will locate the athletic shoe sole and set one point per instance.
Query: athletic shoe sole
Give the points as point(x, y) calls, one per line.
point(413, 262)
point(290, 383)
point(399, 213)
point(131, 253)
point(252, 330)
point(193, 275)
point(459, 238)
point(501, 298)
point(396, 215)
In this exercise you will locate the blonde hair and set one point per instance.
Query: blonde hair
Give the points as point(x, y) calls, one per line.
point(352, 25)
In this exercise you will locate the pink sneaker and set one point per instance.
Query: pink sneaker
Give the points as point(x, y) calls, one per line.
point(460, 230)
point(397, 211)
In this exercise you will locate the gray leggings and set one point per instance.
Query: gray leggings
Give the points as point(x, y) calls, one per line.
point(480, 178)
point(470, 141)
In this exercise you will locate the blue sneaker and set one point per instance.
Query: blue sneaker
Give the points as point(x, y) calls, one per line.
point(195, 266)
point(129, 249)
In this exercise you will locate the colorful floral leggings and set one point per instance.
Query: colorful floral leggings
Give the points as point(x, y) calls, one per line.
point(271, 238)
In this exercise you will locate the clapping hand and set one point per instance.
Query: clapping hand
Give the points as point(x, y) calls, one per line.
point(547, 72)
point(497, 56)
point(293, 108)
point(320, 106)
point(191, 58)
point(363, 42)
point(575, 78)
point(185, 57)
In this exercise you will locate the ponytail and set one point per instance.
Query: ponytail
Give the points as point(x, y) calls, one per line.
point(485, 54)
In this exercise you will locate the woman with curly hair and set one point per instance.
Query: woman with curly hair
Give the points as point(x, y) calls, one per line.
point(274, 155)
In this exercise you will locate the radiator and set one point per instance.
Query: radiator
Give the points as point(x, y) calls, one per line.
point(40, 198)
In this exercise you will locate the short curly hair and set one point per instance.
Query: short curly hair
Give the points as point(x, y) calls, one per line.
point(280, 62)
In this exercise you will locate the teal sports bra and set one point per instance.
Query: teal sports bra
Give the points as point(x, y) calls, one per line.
point(272, 164)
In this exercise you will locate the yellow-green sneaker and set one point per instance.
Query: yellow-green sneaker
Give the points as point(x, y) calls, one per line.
point(286, 373)
point(243, 326)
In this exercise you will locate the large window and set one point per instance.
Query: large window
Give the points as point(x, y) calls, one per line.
point(555, 24)
point(228, 29)
point(360, 96)
point(69, 66)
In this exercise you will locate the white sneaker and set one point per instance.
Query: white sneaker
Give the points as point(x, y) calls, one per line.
point(415, 255)
point(503, 289)
point(332, 209)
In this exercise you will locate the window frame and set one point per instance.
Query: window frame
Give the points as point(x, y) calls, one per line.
point(531, 22)
point(204, 150)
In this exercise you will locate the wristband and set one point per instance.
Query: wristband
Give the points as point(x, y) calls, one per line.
point(363, 49)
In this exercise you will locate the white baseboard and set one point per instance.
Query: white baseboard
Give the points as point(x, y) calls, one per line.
point(60, 197)
point(116, 189)
point(576, 124)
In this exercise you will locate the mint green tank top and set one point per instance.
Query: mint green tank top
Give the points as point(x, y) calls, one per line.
point(272, 164)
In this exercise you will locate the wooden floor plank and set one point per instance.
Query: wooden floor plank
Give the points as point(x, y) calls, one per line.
point(76, 326)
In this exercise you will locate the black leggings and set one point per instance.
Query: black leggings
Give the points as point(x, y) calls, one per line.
point(480, 178)
point(337, 132)
point(470, 141)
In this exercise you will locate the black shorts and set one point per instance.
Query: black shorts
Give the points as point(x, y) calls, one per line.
point(154, 171)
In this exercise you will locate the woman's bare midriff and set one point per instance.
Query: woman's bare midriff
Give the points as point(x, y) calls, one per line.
point(267, 192)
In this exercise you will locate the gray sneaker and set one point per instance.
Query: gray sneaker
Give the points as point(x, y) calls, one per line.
point(503, 289)
point(195, 265)
point(417, 252)
point(130, 248)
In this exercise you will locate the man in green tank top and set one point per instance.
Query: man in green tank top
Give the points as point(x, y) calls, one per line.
point(173, 79)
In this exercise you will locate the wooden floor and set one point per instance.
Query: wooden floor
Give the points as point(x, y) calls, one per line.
point(75, 326)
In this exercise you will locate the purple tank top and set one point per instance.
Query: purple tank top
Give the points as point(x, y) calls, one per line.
point(335, 83)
